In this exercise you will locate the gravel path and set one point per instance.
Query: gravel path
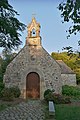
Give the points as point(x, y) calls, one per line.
point(31, 110)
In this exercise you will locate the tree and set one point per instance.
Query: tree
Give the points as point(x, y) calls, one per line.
point(72, 62)
point(10, 26)
point(70, 11)
point(5, 59)
point(69, 50)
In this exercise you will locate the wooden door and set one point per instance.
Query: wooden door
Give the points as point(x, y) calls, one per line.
point(33, 85)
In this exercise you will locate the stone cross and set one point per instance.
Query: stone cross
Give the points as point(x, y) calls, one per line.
point(33, 15)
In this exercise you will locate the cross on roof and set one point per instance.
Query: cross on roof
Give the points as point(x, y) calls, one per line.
point(33, 15)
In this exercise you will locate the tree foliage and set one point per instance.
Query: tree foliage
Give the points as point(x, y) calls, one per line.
point(4, 61)
point(70, 51)
point(10, 26)
point(70, 11)
point(72, 61)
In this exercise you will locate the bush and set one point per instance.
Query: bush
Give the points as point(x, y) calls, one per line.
point(60, 99)
point(70, 91)
point(47, 92)
point(16, 91)
point(7, 95)
point(1, 88)
point(67, 99)
point(57, 98)
point(49, 97)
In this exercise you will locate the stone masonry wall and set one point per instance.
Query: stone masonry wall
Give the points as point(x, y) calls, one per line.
point(33, 59)
point(68, 79)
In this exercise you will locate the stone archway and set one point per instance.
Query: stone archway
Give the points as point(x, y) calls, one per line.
point(33, 85)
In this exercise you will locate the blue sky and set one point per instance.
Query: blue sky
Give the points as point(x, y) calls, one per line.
point(53, 32)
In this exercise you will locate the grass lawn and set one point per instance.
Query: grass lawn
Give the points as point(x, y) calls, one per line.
point(67, 112)
point(63, 112)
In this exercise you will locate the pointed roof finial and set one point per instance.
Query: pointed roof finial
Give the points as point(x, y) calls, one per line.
point(33, 23)
point(33, 18)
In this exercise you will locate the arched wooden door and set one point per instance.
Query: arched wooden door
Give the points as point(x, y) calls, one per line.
point(33, 85)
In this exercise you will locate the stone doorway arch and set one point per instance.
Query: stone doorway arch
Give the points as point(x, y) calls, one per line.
point(33, 85)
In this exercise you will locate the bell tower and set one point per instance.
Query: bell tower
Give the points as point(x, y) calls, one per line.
point(33, 37)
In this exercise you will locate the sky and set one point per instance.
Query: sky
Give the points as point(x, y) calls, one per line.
point(53, 32)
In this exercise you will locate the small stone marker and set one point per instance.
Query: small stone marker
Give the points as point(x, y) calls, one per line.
point(51, 108)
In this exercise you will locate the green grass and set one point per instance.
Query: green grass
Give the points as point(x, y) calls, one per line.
point(63, 112)
point(67, 112)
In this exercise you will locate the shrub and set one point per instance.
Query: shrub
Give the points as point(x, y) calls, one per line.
point(57, 98)
point(67, 99)
point(16, 91)
point(70, 91)
point(7, 95)
point(49, 97)
point(1, 88)
point(47, 92)
point(60, 99)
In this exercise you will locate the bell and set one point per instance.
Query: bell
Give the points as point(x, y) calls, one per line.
point(33, 32)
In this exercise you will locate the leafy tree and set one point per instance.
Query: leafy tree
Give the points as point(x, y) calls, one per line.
point(73, 62)
point(70, 11)
point(10, 26)
point(69, 51)
point(5, 60)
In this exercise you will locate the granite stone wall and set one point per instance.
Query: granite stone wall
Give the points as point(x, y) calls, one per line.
point(68, 79)
point(33, 59)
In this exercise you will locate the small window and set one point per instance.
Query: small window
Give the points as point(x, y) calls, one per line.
point(33, 33)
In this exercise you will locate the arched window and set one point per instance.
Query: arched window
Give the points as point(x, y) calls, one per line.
point(33, 32)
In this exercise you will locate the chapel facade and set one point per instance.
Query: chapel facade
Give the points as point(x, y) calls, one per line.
point(33, 70)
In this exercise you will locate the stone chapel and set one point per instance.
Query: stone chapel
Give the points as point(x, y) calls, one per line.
point(33, 70)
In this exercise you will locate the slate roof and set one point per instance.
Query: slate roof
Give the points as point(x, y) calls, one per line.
point(64, 68)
